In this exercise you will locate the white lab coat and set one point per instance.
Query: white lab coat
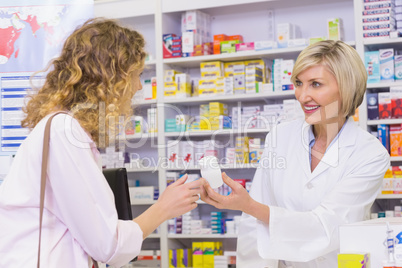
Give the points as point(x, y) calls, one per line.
point(306, 208)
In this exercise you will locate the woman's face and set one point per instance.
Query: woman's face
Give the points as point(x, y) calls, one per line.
point(317, 91)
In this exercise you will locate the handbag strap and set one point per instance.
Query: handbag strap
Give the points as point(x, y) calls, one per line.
point(45, 157)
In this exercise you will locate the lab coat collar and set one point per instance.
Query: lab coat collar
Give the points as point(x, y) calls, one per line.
point(331, 157)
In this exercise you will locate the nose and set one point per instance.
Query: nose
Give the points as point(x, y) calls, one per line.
point(302, 94)
point(139, 84)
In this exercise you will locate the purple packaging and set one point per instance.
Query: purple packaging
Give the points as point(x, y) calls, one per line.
point(372, 106)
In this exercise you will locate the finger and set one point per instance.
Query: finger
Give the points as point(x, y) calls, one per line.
point(195, 198)
point(180, 181)
point(226, 179)
point(210, 201)
point(196, 183)
point(212, 194)
point(195, 191)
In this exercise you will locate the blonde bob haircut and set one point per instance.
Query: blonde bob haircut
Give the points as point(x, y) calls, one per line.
point(344, 63)
point(93, 78)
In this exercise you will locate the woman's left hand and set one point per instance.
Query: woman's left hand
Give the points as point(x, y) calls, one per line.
point(239, 199)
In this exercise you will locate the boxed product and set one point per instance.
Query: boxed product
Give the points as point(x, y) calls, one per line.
point(167, 45)
point(217, 42)
point(396, 101)
point(372, 106)
point(334, 29)
point(353, 260)
point(244, 46)
point(398, 67)
point(284, 32)
point(372, 62)
point(387, 64)
point(384, 105)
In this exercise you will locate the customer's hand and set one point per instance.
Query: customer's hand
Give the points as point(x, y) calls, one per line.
point(239, 199)
point(179, 198)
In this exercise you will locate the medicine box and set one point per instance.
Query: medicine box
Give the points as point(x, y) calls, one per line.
point(372, 106)
point(384, 105)
point(143, 193)
point(396, 102)
point(387, 64)
point(372, 63)
point(334, 29)
point(353, 260)
point(284, 32)
point(398, 67)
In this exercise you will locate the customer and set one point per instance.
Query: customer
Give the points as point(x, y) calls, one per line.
point(332, 173)
point(94, 80)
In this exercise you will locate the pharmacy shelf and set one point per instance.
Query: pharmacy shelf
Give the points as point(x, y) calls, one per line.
point(389, 196)
point(154, 236)
point(138, 136)
point(182, 5)
point(382, 41)
point(150, 62)
point(142, 202)
point(202, 236)
point(396, 158)
point(384, 122)
point(384, 85)
point(238, 166)
point(136, 103)
point(232, 98)
point(194, 62)
point(220, 132)
point(124, 9)
point(142, 169)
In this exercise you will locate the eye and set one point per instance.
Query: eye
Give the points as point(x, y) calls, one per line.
point(315, 84)
point(298, 83)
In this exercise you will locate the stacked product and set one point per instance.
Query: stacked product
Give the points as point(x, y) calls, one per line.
point(204, 252)
point(384, 65)
point(180, 258)
point(379, 19)
point(176, 84)
point(196, 33)
point(172, 46)
point(392, 183)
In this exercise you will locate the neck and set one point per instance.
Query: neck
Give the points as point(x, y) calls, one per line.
point(326, 132)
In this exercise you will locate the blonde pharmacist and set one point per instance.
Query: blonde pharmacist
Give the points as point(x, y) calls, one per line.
point(100, 64)
point(332, 173)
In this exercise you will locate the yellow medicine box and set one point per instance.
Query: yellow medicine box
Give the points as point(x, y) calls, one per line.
point(349, 260)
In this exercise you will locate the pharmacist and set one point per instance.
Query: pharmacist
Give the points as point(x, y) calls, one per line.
point(332, 170)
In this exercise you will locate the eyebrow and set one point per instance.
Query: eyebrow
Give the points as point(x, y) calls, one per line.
point(312, 79)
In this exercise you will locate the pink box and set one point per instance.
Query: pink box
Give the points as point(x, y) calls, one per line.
point(245, 46)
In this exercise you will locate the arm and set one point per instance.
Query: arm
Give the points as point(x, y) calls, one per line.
point(239, 199)
point(177, 199)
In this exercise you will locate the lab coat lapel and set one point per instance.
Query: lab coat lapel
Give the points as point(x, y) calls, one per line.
point(304, 152)
point(336, 151)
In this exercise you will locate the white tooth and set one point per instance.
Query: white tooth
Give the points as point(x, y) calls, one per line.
point(311, 108)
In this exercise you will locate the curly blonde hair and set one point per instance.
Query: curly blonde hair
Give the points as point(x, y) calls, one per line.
point(92, 78)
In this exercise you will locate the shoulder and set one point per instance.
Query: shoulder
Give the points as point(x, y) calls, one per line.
point(367, 142)
point(66, 127)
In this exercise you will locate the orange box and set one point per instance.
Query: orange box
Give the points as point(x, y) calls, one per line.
point(395, 134)
point(217, 42)
point(236, 37)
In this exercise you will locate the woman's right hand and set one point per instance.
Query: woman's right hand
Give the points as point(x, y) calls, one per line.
point(180, 197)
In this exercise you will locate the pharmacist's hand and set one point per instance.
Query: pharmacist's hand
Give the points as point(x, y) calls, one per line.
point(179, 198)
point(239, 199)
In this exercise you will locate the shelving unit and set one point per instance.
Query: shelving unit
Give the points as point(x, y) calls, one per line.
point(247, 17)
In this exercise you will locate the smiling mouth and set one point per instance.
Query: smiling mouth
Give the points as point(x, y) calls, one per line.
point(309, 109)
